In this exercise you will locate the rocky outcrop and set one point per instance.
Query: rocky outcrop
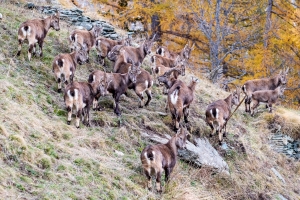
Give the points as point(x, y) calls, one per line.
point(75, 16)
point(200, 154)
point(286, 145)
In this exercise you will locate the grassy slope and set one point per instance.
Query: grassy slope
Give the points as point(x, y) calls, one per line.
point(44, 158)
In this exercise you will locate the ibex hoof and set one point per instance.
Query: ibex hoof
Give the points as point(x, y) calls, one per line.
point(225, 134)
point(77, 126)
point(220, 143)
point(68, 122)
point(59, 90)
point(18, 54)
point(210, 135)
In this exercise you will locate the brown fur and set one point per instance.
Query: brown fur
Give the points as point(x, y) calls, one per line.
point(118, 83)
point(184, 53)
point(266, 96)
point(180, 97)
point(79, 95)
point(218, 112)
point(84, 37)
point(162, 157)
point(105, 45)
point(64, 66)
point(35, 31)
point(262, 84)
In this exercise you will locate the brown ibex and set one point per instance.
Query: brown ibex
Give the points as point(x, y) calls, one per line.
point(137, 54)
point(218, 112)
point(185, 52)
point(180, 97)
point(118, 83)
point(64, 65)
point(35, 31)
point(85, 37)
point(162, 157)
point(269, 97)
point(105, 45)
point(263, 84)
point(79, 95)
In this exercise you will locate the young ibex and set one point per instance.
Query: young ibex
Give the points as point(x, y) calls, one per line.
point(162, 157)
point(105, 45)
point(64, 65)
point(218, 112)
point(85, 37)
point(185, 53)
point(79, 95)
point(180, 97)
point(269, 97)
point(263, 84)
point(162, 64)
point(138, 54)
point(35, 31)
point(118, 83)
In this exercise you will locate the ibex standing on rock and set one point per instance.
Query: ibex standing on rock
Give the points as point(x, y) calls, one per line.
point(162, 157)
point(218, 112)
point(35, 31)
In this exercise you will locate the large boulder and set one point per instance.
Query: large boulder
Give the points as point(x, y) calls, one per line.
point(200, 154)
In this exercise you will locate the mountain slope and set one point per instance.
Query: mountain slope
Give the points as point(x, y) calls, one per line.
point(44, 158)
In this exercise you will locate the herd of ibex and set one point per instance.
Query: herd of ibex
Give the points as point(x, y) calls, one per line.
point(129, 74)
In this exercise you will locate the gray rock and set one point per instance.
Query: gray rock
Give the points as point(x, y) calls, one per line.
point(277, 174)
point(30, 5)
point(114, 36)
point(281, 197)
point(200, 154)
point(106, 29)
point(86, 25)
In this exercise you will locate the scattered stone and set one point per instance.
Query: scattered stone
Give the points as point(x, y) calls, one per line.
point(201, 153)
point(87, 26)
point(277, 174)
point(119, 153)
point(224, 146)
point(285, 144)
point(30, 5)
point(281, 197)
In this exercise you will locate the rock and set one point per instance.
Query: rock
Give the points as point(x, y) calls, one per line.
point(86, 25)
point(114, 36)
point(106, 29)
point(277, 174)
point(201, 153)
point(30, 5)
point(119, 153)
point(280, 197)
point(224, 146)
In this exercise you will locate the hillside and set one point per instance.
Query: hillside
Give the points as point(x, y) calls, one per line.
point(44, 158)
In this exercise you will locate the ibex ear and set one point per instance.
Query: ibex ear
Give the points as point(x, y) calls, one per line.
point(57, 14)
point(129, 68)
point(193, 46)
point(287, 70)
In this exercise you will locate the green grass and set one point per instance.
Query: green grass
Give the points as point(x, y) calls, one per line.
point(44, 158)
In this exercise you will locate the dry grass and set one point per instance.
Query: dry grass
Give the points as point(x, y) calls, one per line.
point(44, 158)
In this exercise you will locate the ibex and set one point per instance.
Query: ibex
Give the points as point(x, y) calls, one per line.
point(162, 157)
point(64, 65)
point(85, 37)
point(35, 31)
point(79, 95)
point(269, 97)
point(120, 65)
point(185, 52)
point(218, 112)
point(105, 45)
point(118, 83)
point(263, 84)
point(162, 64)
point(180, 97)
point(138, 54)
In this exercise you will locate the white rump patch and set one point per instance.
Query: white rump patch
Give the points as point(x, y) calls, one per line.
point(174, 97)
point(26, 33)
point(162, 51)
point(94, 78)
point(146, 83)
point(151, 83)
point(148, 160)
